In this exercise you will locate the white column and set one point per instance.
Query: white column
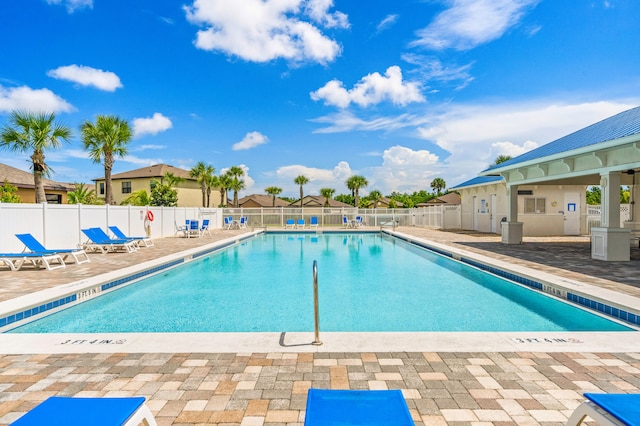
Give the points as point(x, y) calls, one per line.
point(610, 200)
point(610, 242)
point(512, 229)
point(512, 203)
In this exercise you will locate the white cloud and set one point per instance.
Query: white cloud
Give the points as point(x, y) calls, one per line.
point(250, 140)
point(72, 5)
point(345, 121)
point(87, 76)
point(511, 149)
point(430, 68)
point(370, 90)
point(318, 178)
point(387, 23)
point(27, 99)
point(470, 23)
point(153, 125)
point(249, 182)
point(404, 170)
point(264, 30)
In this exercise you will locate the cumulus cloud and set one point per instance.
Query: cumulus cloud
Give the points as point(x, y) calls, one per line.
point(264, 30)
point(249, 182)
point(72, 5)
point(87, 76)
point(250, 140)
point(470, 23)
point(27, 99)
point(370, 90)
point(318, 178)
point(152, 125)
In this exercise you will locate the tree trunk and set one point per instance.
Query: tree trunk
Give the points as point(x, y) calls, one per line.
point(39, 169)
point(108, 193)
point(204, 192)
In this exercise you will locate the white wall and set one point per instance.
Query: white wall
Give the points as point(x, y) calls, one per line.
point(59, 225)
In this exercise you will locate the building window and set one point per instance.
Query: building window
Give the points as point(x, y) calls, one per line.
point(535, 205)
point(101, 188)
point(54, 198)
point(126, 187)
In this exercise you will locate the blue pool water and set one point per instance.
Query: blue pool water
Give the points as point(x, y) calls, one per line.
point(367, 282)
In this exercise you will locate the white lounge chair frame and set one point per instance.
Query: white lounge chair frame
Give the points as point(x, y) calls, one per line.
point(49, 261)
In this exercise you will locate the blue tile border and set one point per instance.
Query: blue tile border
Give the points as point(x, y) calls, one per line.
point(600, 307)
point(19, 316)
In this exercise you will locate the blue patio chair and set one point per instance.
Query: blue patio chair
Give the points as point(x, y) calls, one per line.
point(346, 222)
point(70, 411)
point(148, 242)
point(98, 240)
point(243, 222)
point(33, 245)
point(608, 409)
point(290, 224)
point(356, 407)
point(204, 227)
point(313, 222)
point(300, 224)
point(358, 222)
point(193, 228)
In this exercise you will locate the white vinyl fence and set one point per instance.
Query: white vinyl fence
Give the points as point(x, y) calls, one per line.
point(594, 216)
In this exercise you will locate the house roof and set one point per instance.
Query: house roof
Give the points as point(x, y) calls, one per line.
point(479, 180)
point(21, 179)
point(318, 201)
point(264, 200)
point(448, 198)
point(387, 201)
point(155, 171)
point(626, 123)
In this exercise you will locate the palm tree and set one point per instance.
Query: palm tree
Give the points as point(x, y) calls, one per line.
point(224, 183)
point(438, 184)
point(211, 182)
point(201, 172)
point(106, 139)
point(501, 159)
point(273, 191)
point(235, 173)
point(354, 183)
point(82, 195)
point(137, 198)
point(301, 180)
point(36, 133)
point(374, 197)
point(327, 193)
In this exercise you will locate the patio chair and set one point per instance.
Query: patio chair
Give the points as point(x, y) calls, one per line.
point(608, 409)
point(228, 222)
point(180, 228)
point(193, 228)
point(70, 411)
point(313, 223)
point(243, 222)
point(48, 261)
point(345, 222)
point(98, 240)
point(290, 224)
point(204, 227)
point(356, 407)
point(358, 222)
point(33, 245)
point(148, 242)
point(300, 224)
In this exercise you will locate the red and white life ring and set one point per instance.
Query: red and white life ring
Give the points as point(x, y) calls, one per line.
point(150, 215)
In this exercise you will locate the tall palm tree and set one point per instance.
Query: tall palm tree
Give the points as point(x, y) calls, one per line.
point(224, 183)
point(438, 184)
point(354, 183)
point(211, 182)
point(273, 191)
point(235, 173)
point(201, 171)
point(29, 132)
point(374, 197)
point(301, 180)
point(327, 193)
point(106, 139)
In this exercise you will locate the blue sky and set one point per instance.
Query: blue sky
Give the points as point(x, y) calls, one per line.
point(399, 91)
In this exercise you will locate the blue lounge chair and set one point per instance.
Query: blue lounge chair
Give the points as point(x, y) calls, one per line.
point(148, 242)
point(290, 224)
point(300, 224)
point(356, 407)
point(243, 222)
point(98, 240)
point(358, 222)
point(204, 227)
point(608, 409)
point(79, 256)
point(313, 223)
point(49, 261)
point(69, 411)
point(345, 222)
point(193, 228)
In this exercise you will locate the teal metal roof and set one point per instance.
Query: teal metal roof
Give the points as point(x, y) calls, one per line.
point(479, 180)
point(624, 124)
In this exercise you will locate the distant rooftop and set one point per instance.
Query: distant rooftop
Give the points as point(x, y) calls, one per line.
point(155, 171)
point(624, 124)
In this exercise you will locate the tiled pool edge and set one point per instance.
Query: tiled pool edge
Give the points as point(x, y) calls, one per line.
point(622, 312)
point(76, 292)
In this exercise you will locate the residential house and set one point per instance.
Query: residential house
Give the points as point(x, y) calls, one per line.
point(56, 192)
point(261, 200)
point(385, 203)
point(124, 184)
point(449, 199)
point(318, 201)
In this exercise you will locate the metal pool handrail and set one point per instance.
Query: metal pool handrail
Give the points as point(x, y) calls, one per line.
point(316, 309)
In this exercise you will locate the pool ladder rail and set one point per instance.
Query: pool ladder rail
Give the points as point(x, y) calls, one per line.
point(316, 309)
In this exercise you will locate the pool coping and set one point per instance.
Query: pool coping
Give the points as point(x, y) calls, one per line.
point(300, 342)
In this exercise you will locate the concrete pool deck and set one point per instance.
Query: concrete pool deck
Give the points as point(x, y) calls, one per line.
point(262, 378)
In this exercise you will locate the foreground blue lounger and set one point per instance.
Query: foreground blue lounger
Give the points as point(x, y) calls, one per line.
point(608, 409)
point(356, 407)
point(68, 411)
point(48, 261)
point(30, 242)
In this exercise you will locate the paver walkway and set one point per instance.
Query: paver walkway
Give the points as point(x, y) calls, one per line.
point(485, 388)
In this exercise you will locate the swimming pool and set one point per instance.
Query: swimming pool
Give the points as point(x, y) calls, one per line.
point(368, 282)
